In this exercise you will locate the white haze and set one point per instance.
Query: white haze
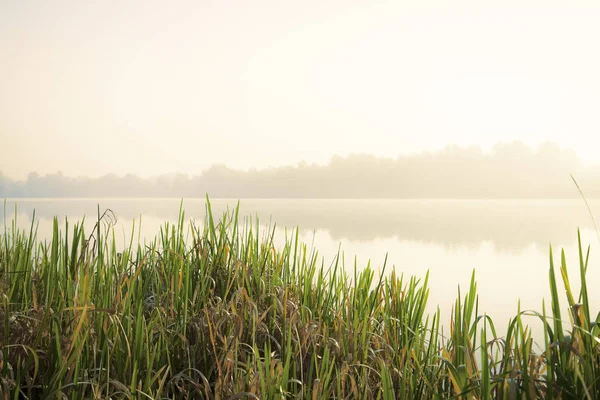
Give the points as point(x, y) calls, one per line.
point(150, 87)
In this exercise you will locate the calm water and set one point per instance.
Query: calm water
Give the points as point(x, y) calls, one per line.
point(505, 241)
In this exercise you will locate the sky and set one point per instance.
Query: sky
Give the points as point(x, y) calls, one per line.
point(153, 87)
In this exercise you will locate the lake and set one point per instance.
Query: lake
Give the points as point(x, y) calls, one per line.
point(505, 241)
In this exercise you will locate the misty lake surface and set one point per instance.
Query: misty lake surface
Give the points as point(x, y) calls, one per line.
point(506, 242)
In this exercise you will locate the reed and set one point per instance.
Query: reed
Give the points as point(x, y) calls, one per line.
point(220, 312)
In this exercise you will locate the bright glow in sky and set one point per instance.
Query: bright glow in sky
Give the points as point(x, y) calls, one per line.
point(154, 87)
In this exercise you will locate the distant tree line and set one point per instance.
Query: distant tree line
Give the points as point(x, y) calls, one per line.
point(509, 170)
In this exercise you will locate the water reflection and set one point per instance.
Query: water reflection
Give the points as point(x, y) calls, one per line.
point(509, 225)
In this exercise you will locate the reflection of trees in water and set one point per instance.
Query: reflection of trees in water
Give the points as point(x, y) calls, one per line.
point(511, 225)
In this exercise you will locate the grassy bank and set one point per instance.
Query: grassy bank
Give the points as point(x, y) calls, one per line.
point(219, 312)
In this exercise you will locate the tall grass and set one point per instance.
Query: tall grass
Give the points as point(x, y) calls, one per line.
point(220, 312)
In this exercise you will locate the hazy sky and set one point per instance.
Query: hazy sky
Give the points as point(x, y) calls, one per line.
point(153, 87)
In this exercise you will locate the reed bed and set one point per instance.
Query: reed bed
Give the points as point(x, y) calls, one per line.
point(220, 312)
